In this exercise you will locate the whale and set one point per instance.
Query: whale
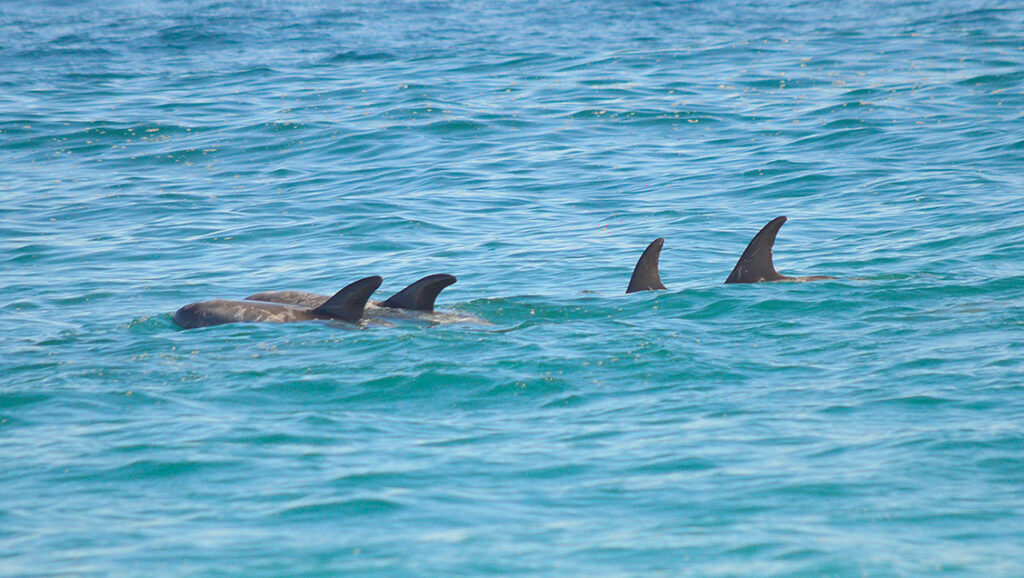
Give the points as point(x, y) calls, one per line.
point(346, 305)
point(756, 266)
point(414, 302)
point(645, 275)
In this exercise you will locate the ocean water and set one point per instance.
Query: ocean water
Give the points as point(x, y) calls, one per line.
point(155, 153)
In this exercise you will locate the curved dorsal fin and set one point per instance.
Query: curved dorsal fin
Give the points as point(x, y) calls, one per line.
point(348, 304)
point(756, 263)
point(645, 274)
point(420, 295)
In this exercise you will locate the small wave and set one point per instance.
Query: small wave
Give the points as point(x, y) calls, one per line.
point(643, 117)
point(356, 56)
point(916, 401)
point(148, 469)
point(340, 509)
point(186, 36)
point(786, 83)
point(1007, 80)
point(455, 126)
point(846, 136)
point(20, 399)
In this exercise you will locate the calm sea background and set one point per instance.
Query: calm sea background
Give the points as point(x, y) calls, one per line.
point(157, 153)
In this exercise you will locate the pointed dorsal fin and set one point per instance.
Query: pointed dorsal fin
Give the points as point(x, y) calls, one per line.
point(756, 263)
point(420, 295)
point(348, 304)
point(645, 274)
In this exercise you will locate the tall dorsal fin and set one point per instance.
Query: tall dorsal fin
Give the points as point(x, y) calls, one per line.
point(348, 304)
point(645, 274)
point(756, 263)
point(420, 295)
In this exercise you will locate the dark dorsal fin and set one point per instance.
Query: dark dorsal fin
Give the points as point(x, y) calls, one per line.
point(645, 274)
point(348, 304)
point(420, 295)
point(756, 263)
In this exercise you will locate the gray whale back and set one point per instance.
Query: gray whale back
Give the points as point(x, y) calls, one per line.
point(298, 298)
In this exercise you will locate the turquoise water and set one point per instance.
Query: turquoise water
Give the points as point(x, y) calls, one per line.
point(154, 154)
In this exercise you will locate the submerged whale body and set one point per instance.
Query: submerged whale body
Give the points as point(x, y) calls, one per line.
point(756, 266)
point(346, 305)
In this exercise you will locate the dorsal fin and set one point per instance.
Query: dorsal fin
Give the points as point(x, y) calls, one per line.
point(756, 263)
point(420, 295)
point(645, 274)
point(348, 304)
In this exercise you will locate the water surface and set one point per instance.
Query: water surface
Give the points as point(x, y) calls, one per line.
point(154, 153)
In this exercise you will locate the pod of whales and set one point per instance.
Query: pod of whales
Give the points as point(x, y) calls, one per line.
point(754, 266)
point(345, 305)
point(352, 303)
point(419, 296)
